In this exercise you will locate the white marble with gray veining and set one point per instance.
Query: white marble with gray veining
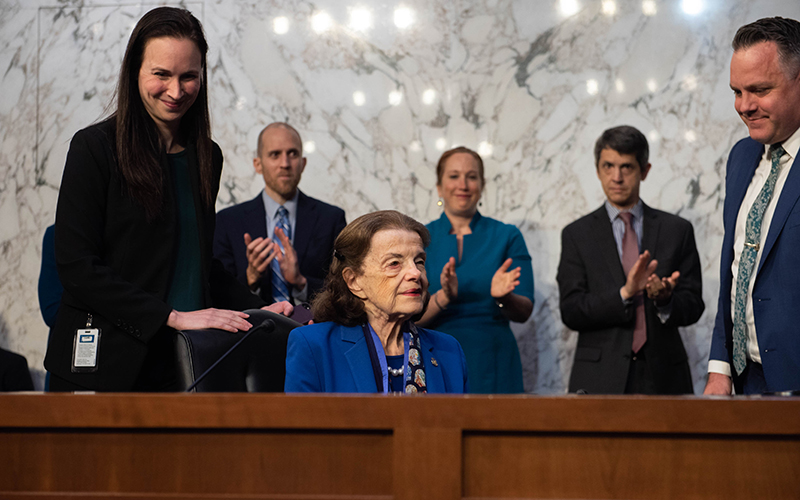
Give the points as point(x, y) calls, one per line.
point(530, 84)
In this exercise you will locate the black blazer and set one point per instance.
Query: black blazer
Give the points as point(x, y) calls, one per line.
point(116, 265)
point(589, 277)
point(318, 226)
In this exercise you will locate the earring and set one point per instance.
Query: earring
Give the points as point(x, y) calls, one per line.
point(480, 203)
point(440, 202)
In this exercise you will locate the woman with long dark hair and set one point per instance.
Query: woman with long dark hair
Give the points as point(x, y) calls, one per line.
point(135, 222)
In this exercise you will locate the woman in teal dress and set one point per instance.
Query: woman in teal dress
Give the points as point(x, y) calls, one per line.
point(486, 278)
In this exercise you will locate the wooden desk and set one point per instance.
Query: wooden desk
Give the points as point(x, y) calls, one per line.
point(247, 446)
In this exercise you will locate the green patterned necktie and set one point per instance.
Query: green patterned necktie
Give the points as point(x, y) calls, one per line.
point(747, 260)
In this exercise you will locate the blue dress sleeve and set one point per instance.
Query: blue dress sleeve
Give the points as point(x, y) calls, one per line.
point(518, 251)
point(301, 367)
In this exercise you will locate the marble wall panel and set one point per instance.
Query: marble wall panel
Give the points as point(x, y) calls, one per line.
point(530, 84)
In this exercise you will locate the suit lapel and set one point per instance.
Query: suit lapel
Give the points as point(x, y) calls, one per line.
point(355, 350)
point(255, 223)
point(786, 202)
point(256, 218)
point(650, 227)
point(304, 225)
point(602, 236)
point(741, 176)
point(433, 373)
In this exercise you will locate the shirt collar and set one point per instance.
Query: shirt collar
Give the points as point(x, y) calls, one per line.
point(790, 145)
point(271, 206)
point(613, 212)
point(472, 223)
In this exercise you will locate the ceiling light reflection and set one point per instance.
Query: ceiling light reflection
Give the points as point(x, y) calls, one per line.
point(403, 17)
point(569, 7)
point(415, 146)
point(592, 87)
point(690, 82)
point(692, 7)
point(441, 143)
point(619, 85)
point(690, 136)
point(429, 96)
point(280, 25)
point(485, 149)
point(395, 97)
point(321, 22)
point(359, 98)
point(649, 8)
point(309, 147)
point(652, 85)
point(360, 19)
point(609, 7)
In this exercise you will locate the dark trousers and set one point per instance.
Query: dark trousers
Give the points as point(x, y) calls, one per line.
point(640, 377)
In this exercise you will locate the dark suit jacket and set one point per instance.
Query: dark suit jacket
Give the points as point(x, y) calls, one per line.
point(14, 373)
point(318, 225)
point(329, 357)
point(590, 275)
point(117, 265)
point(776, 292)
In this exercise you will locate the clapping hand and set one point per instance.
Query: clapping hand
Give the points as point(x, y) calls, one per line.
point(260, 252)
point(449, 280)
point(660, 289)
point(638, 275)
point(505, 281)
point(290, 267)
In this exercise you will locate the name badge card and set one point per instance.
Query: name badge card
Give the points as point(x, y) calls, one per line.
point(84, 355)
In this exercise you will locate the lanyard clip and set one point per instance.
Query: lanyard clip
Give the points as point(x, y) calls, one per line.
point(89, 320)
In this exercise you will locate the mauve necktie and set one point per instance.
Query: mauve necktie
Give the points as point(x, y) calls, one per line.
point(747, 260)
point(630, 253)
point(280, 289)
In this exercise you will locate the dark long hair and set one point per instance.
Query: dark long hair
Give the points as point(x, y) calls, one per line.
point(139, 145)
point(336, 302)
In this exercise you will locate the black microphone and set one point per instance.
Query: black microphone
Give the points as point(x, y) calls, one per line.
point(268, 325)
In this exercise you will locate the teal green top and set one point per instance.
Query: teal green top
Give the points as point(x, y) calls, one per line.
point(474, 319)
point(186, 289)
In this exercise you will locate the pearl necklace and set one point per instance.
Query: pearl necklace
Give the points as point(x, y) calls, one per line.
point(394, 372)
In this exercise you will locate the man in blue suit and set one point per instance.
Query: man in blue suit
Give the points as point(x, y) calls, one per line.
point(280, 243)
point(756, 341)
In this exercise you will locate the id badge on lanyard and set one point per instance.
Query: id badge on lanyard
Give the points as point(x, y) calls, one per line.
point(85, 349)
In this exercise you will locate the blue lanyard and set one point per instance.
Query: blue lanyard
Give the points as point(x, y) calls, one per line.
point(378, 357)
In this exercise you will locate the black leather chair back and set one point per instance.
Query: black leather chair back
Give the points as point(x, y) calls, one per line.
point(257, 365)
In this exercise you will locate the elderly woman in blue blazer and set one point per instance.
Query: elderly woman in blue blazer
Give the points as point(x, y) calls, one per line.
point(365, 339)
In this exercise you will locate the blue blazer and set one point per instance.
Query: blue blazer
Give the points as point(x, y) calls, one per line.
point(776, 292)
point(329, 357)
point(318, 225)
